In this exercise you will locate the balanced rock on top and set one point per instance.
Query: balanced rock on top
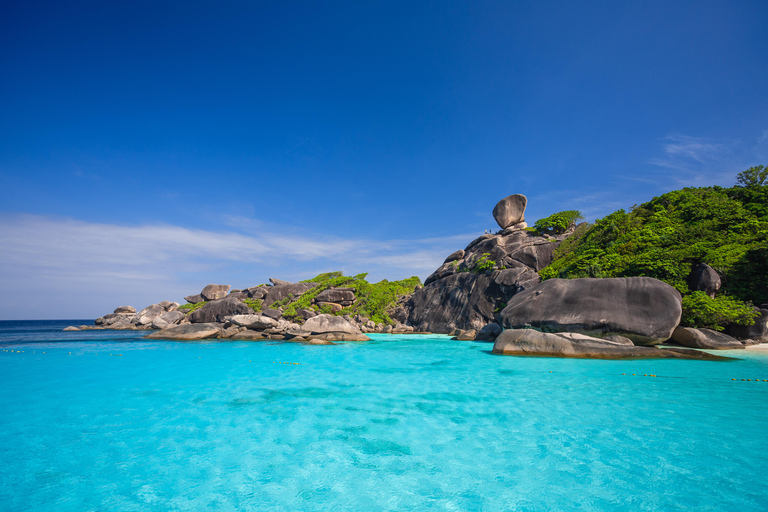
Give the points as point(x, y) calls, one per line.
point(510, 210)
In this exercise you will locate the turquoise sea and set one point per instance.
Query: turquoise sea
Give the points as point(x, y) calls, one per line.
point(104, 420)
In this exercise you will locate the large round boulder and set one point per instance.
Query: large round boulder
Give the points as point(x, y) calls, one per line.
point(321, 324)
point(214, 291)
point(510, 210)
point(643, 309)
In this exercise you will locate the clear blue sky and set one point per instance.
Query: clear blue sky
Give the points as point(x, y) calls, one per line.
point(150, 148)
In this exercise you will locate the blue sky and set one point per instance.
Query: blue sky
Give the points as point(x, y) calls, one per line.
point(148, 149)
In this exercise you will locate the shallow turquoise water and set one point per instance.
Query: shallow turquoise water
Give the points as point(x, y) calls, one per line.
point(400, 423)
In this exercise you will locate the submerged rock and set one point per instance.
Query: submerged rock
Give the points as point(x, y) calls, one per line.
point(642, 309)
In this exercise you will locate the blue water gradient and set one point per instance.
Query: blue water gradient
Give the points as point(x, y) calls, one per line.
point(104, 420)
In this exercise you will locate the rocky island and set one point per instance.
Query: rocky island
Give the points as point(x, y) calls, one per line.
point(512, 288)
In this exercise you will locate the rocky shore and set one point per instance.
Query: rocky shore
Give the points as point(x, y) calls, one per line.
point(489, 291)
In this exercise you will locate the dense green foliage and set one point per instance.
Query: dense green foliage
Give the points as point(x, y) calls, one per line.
point(727, 228)
point(255, 304)
point(558, 223)
point(189, 308)
point(700, 310)
point(373, 299)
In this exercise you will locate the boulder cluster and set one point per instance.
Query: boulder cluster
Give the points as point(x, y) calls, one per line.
point(254, 313)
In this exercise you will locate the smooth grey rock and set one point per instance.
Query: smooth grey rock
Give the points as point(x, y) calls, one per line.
point(467, 335)
point(257, 292)
point(249, 335)
point(113, 318)
point(214, 291)
point(328, 323)
point(218, 311)
point(159, 323)
point(704, 338)
point(172, 317)
point(254, 321)
point(642, 309)
point(168, 305)
point(757, 332)
point(278, 282)
point(187, 332)
point(229, 332)
point(343, 296)
point(272, 313)
point(454, 256)
point(147, 315)
point(704, 278)
point(510, 210)
point(305, 313)
point(282, 291)
point(515, 227)
point(530, 342)
point(194, 299)
point(489, 332)
point(459, 301)
point(125, 309)
point(621, 340)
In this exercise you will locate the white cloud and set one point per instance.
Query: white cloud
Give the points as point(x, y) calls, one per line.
point(83, 266)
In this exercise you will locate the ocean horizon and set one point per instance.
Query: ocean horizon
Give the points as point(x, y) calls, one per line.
point(105, 420)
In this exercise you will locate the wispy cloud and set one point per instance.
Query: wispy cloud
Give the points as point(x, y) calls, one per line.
point(97, 261)
point(697, 161)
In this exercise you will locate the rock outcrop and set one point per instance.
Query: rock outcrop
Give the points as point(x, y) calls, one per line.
point(530, 342)
point(475, 283)
point(125, 309)
point(642, 309)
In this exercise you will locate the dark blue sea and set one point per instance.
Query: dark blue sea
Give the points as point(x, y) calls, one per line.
point(105, 420)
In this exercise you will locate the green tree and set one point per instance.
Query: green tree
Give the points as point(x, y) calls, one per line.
point(558, 223)
point(753, 177)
